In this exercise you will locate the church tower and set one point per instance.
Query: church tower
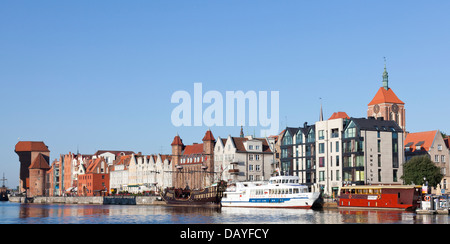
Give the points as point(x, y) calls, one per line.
point(387, 105)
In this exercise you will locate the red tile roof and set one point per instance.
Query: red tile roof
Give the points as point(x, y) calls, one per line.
point(208, 136)
point(91, 168)
point(39, 163)
point(385, 96)
point(177, 141)
point(193, 149)
point(339, 115)
point(426, 137)
point(26, 146)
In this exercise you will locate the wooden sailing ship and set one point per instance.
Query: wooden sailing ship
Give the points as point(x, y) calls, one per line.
point(210, 196)
point(3, 190)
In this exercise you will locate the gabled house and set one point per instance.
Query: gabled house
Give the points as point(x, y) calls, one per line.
point(430, 143)
point(244, 159)
point(95, 181)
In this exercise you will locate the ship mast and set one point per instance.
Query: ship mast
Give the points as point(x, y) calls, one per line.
point(4, 180)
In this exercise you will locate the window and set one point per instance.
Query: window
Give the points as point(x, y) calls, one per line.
point(250, 157)
point(321, 147)
point(359, 161)
point(257, 157)
point(394, 174)
point(287, 139)
point(257, 167)
point(443, 159)
point(337, 146)
point(436, 158)
point(250, 147)
point(311, 136)
point(250, 167)
point(379, 160)
point(350, 131)
point(321, 175)
point(337, 161)
point(334, 133)
point(298, 137)
point(321, 135)
point(379, 145)
point(321, 162)
point(284, 153)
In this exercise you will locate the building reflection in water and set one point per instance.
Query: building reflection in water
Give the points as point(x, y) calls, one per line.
point(84, 214)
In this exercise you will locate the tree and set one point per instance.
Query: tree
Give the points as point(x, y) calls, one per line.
point(418, 167)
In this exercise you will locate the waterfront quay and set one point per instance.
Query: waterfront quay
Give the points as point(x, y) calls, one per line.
point(106, 200)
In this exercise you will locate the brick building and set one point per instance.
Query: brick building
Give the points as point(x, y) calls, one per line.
point(95, 180)
point(29, 152)
point(193, 165)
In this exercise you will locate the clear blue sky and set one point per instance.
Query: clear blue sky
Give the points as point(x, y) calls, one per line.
point(100, 74)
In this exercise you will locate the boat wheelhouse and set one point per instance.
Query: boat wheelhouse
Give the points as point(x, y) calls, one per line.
point(378, 196)
point(279, 192)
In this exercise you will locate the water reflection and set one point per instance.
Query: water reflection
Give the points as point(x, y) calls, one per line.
point(138, 214)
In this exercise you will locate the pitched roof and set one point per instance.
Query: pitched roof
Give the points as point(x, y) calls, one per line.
point(39, 163)
point(115, 152)
point(240, 147)
point(424, 139)
point(193, 149)
point(373, 124)
point(385, 96)
point(177, 141)
point(26, 146)
point(339, 115)
point(94, 165)
point(208, 136)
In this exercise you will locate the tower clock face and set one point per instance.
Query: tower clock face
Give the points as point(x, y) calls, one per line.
point(395, 108)
point(376, 108)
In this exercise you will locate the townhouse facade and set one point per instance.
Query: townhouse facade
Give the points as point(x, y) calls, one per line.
point(95, 180)
point(434, 145)
point(141, 173)
point(245, 158)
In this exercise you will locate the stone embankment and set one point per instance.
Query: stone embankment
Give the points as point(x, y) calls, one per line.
point(120, 200)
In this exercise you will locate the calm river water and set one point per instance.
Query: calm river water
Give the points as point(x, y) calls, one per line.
point(17, 213)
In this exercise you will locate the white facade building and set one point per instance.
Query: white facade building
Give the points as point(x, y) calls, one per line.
point(244, 159)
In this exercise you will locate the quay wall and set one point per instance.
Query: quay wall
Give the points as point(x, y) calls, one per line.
point(127, 200)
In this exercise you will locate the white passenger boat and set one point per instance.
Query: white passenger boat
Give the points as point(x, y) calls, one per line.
point(279, 192)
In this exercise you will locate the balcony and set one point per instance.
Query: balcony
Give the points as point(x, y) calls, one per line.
point(233, 171)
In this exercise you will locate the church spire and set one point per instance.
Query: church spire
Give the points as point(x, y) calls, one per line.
point(321, 111)
point(385, 77)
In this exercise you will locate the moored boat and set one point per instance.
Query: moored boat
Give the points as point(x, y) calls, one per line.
point(210, 196)
point(279, 192)
point(406, 197)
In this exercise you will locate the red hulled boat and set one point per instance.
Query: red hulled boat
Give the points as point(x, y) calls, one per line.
point(378, 196)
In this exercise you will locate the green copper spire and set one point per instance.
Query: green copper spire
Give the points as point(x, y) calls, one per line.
point(385, 77)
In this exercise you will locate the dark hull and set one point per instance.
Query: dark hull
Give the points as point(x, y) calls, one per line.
point(209, 197)
point(3, 196)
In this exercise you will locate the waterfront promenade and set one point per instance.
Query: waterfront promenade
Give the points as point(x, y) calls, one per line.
point(109, 200)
